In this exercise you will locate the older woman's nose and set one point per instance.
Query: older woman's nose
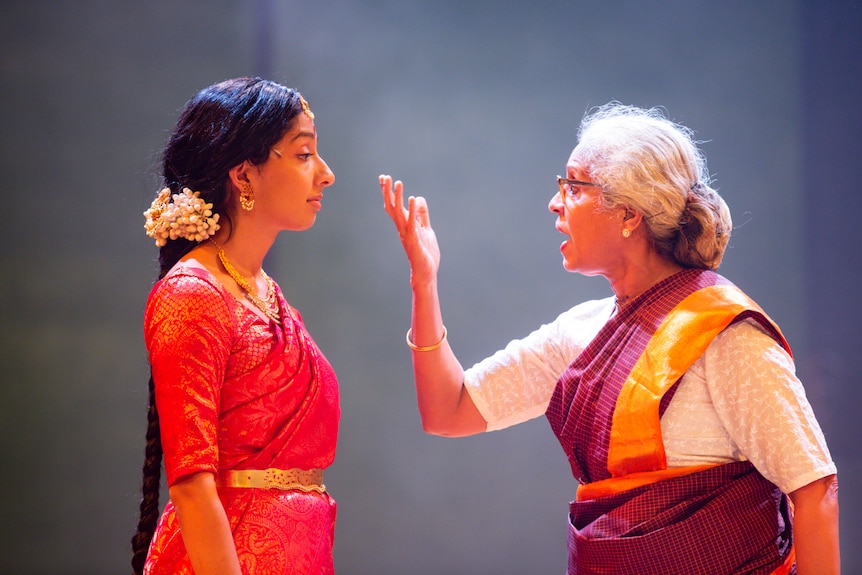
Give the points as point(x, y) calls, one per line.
point(556, 204)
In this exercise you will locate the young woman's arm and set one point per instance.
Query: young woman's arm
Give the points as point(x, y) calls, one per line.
point(204, 525)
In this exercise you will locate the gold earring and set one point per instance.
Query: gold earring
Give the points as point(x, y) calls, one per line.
point(246, 197)
point(626, 232)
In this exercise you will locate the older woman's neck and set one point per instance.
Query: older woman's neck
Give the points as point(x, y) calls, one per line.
point(641, 274)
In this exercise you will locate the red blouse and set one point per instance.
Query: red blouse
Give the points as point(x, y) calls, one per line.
point(236, 391)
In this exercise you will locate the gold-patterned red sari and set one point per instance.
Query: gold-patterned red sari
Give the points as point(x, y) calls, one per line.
point(235, 391)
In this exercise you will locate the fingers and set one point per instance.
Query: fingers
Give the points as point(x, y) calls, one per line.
point(393, 201)
point(421, 211)
point(393, 198)
point(392, 195)
point(386, 190)
point(385, 184)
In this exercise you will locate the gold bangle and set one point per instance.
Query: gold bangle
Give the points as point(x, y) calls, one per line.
point(415, 347)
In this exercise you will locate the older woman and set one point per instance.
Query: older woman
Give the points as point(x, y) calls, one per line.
point(675, 401)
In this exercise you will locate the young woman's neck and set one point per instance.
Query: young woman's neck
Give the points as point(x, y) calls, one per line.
point(246, 251)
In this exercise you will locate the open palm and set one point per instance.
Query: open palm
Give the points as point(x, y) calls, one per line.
point(414, 228)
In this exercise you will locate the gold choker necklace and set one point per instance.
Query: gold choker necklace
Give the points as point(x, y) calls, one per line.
point(268, 307)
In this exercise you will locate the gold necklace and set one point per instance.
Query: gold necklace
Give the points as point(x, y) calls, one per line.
point(268, 307)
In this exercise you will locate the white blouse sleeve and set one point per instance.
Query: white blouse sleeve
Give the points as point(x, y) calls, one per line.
point(515, 384)
point(762, 405)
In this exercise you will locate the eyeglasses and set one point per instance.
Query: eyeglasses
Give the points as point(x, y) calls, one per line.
point(567, 186)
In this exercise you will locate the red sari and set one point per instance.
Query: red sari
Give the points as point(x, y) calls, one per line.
point(235, 391)
point(633, 515)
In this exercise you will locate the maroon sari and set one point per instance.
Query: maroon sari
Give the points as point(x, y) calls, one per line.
point(638, 517)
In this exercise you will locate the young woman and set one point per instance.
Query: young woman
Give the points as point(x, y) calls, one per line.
point(243, 404)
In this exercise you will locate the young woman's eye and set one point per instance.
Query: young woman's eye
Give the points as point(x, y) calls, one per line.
point(304, 156)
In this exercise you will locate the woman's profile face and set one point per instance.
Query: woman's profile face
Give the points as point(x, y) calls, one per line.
point(592, 232)
point(288, 187)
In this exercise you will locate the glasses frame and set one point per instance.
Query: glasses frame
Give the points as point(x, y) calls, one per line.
point(563, 183)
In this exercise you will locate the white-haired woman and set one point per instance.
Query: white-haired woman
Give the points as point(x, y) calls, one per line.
point(675, 401)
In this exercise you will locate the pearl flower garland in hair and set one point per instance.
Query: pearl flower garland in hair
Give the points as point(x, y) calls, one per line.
point(188, 216)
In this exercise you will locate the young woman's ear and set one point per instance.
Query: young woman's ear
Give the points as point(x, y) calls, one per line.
point(238, 175)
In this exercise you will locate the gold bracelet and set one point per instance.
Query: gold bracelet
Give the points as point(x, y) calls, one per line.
point(415, 347)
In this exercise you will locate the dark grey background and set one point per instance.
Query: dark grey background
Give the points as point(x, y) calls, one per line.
point(475, 105)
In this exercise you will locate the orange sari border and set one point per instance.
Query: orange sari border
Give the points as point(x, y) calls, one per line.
point(681, 338)
point(614, 485)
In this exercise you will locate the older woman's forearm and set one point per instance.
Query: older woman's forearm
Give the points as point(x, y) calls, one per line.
point(815, 526)
point(444, 404)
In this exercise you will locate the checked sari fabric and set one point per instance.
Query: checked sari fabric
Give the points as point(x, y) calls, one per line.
point(633, 515)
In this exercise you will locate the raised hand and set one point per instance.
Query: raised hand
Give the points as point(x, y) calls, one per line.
point(444, 404)
point(414, 228)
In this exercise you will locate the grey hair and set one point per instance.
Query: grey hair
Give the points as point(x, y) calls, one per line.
point(652, 165)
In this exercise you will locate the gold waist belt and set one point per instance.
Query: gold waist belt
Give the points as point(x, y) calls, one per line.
point(285, 479)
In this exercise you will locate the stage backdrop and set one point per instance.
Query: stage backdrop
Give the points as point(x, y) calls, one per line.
point(475, 105)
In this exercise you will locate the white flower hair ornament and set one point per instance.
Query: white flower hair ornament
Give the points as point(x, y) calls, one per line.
point(188, 216)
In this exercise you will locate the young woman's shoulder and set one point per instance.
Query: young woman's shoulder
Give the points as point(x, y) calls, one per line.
point(190, 294)
point(188, 282)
